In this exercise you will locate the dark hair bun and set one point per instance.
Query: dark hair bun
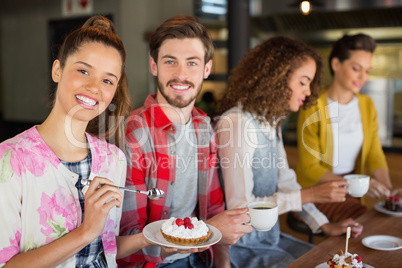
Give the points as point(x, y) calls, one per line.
point(100, 22)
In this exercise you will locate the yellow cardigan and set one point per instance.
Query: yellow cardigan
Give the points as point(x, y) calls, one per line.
point(315, 141)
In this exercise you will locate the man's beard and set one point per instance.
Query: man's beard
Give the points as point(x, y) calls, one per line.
point(178, 101)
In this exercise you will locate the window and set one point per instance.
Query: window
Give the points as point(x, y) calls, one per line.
point(211, 9)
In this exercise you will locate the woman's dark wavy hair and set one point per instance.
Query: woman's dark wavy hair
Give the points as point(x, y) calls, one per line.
point(260, 82)
point(342, 47)
point(109, 125)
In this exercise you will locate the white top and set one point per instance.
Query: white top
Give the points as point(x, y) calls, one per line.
point(237, 141)
point(347, 129)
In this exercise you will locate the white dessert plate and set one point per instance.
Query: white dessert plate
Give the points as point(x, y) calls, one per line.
point(380, 208)
point(325, 265)
point(152, 232)
point(382, 242)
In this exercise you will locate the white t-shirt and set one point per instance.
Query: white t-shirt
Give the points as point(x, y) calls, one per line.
point(186, 181)
point(346, 123)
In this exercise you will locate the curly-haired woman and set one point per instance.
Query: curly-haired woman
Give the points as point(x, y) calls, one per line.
point(273, 79)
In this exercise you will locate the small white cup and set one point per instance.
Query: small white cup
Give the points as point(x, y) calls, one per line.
point(263, 215)
point(358, 185)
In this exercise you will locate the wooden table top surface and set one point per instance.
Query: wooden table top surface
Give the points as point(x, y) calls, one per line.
point(375, 223)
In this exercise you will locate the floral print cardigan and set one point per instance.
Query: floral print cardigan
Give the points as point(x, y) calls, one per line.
point(38, 198)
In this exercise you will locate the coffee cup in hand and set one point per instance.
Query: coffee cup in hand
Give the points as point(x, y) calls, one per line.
point(263, 215)
point(358, 184)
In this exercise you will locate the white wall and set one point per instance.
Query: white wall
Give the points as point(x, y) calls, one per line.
point(24, 51)
point(24, 61)
point(136, 18)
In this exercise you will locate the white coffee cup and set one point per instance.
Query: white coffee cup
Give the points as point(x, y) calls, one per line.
point(358, 184)
point(263, 215)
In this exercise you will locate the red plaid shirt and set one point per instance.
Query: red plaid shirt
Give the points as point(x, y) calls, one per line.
point(151, 158)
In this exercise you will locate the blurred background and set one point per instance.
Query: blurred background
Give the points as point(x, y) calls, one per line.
point(32, 30)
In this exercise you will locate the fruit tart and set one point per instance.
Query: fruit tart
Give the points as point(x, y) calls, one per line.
point(345, 260)
point(185, 232)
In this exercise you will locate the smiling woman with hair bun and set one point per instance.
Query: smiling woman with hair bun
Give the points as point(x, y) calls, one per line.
point(51, 215)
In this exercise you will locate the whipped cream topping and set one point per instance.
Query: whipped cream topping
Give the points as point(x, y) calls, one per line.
point(200, 229)
point(340, 260)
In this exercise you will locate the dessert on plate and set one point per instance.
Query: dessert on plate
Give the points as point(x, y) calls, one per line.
point(393, 203)
point(345, 260)
point(185, 232)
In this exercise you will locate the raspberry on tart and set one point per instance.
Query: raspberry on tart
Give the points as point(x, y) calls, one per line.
point(345, 260)
point(185, 232)
point(393, 203)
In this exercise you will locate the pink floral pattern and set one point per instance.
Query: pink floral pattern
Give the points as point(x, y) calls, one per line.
point(23, 154)
point(58, 214)
point(109, 237)
point(41, 191)
point(101, 167)
point(96, 167)
point(7, 253)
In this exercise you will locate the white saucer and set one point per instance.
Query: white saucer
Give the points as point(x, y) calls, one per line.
point(325, 265)
point(380, 208)
point(152, 233)
point(383, 242)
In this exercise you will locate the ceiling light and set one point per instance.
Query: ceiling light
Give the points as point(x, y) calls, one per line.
point(305, 7)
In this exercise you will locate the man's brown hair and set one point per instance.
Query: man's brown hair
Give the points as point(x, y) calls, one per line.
point(181, 27)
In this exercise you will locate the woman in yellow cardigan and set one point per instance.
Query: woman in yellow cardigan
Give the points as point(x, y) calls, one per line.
point(339, 135)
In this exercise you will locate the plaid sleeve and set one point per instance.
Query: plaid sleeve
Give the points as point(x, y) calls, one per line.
point(135, 206)
point(134, 215)
point(215, 203)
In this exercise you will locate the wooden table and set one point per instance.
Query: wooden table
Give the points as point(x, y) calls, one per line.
point(375, 223)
